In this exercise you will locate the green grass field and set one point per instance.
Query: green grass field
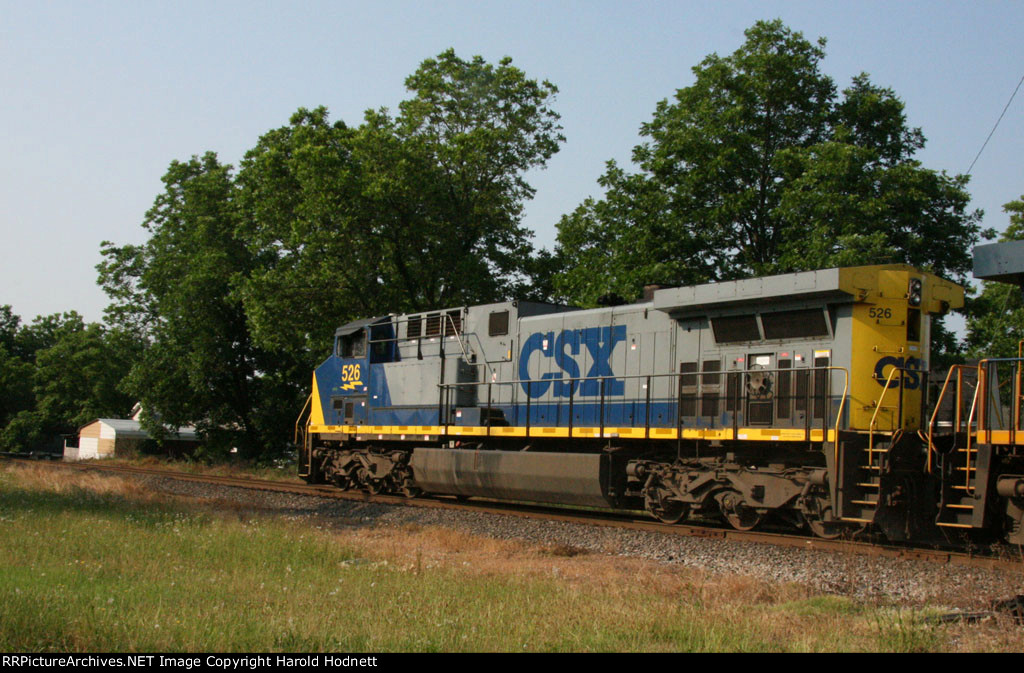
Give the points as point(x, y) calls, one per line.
point(93, 563)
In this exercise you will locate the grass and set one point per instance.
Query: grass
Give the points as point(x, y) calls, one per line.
point(236, 468)
point(94, 563)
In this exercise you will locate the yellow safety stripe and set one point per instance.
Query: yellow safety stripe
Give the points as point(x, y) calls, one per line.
point(415, 432)
point(316, 413)
point(1000, 437)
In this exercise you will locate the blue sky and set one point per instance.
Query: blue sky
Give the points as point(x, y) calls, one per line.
point(99, 97)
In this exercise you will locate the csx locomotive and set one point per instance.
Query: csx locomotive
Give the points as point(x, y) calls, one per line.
point(801, 396)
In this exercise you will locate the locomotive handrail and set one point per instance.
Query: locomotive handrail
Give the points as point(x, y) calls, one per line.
point(983, 369)
point(879, 406)
point(958, 408)
point(839, 414)
point(298, 421)
point(644, 376)
point(571, 381)
point(456, 332)
point(490, 370)
point(1018, 394)
point(302, 429)
point(970, 421)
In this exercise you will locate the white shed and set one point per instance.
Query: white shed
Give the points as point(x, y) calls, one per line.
point(106, 437)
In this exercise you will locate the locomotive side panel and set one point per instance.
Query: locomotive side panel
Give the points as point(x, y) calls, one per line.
point(587, 372)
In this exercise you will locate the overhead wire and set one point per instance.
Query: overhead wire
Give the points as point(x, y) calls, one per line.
point(983, 145)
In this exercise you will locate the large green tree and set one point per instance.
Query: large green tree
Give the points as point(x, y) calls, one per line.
point(414, 211)
point(180, 292)
point(300, 192)
point(762, 167)
point(995, 322)
point(244, 278)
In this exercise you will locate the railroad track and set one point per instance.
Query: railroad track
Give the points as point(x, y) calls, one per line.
point(1011, 561)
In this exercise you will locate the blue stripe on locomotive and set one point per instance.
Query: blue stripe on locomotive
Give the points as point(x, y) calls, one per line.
point(378, 409)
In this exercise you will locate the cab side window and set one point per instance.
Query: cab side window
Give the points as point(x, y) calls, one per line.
point(352, 345)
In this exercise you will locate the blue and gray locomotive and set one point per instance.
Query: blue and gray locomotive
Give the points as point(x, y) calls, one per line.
point(803, 396)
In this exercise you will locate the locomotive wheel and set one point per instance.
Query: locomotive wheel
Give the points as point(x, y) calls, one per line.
point(409, 490)
point(671, 512)
point(364, 481)
point(404, 482)
point(821, 526)
point(666, 511)
point(344, 483)
point(736, 511)
point(828, 530)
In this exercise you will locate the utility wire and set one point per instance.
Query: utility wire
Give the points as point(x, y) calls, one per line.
point(996, 126)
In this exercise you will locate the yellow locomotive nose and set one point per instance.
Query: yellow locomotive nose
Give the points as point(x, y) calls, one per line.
point(889, 351)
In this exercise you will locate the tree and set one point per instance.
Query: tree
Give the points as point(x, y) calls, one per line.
point(15, 386)
point(628, 239)
point(44, 332)
point(180, 289)
point(995, 319)
point(15, 373)
point(760, 167)
point(860, 197)
point(9, 323)
point(417, 211)
point(78, 379)
point(243, 279)
point(474, 131)
point(71, 374)
point(318, 264)
point(27, 427)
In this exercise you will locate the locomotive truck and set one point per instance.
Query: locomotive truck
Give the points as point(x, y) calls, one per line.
point(804, 397)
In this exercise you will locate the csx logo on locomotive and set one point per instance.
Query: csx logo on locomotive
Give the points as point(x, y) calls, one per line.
point(599, 341)
point(911, 379)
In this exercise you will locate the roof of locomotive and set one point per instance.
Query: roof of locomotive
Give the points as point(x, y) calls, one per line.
point(356, 325)
point(836, 284)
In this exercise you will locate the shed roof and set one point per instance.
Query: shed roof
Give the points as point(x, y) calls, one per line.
point(127, 428)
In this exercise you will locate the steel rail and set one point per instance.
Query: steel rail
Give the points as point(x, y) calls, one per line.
point(607, 519)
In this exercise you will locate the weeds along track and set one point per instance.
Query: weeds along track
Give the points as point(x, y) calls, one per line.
point(999, 559)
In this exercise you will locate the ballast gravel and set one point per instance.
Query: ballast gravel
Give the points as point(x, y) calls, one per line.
point(873, 578)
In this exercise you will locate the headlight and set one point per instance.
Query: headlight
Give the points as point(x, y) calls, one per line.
point(914, 292)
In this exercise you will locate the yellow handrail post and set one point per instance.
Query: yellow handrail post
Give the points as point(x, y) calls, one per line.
point(302, 430)
point(298, 421)
point(938, 406)
point(874, 416)
point(1019, 394)
point(970, 421)
point(835, 438)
